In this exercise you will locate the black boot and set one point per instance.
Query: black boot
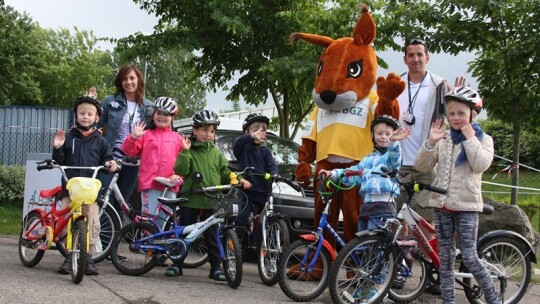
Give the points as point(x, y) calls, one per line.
point(66, 266)
point(90, 266)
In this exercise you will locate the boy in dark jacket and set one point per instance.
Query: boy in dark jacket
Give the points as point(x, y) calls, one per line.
point(250, 152)
point(83, 146)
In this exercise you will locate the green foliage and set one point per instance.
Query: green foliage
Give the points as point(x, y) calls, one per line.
point(11, 185)
point(10, 221)
point(250, 38)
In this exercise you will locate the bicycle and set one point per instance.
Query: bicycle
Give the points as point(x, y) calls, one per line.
point(163, 215)
point(40, 228)
point(370, 254)
point(305, 264)
point(267, 230)
point(141, 243)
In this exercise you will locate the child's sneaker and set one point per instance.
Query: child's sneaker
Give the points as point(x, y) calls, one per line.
point(174, 271)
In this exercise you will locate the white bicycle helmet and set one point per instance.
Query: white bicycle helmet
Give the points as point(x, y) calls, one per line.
point(205, 117)
point(466, 95)
point(166, 105)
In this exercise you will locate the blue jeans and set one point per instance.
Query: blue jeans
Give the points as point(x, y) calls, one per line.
point(372, 222)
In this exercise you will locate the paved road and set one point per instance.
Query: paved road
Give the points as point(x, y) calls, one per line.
point(42, 284)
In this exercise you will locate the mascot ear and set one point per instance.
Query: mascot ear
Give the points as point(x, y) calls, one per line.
point(365, 30)
point(311, 38)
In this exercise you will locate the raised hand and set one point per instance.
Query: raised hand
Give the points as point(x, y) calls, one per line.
point(259, 135)
point(186, 142)
point(138, 129)
point(437, 132)
point(92, 92)
point(400, 134)
point(59, 139)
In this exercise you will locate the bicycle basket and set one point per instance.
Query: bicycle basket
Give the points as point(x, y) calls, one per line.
point(228, 204)
point(83, 190)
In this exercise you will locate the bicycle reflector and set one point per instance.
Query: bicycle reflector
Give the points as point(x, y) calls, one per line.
point(83, 190)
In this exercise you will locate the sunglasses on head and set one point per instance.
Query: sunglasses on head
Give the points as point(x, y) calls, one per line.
point(415, 41)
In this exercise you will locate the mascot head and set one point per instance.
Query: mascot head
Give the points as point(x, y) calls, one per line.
point(347, 69)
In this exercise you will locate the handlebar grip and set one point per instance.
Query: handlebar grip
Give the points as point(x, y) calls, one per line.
point(42, 167)
point(433, 189)
point(353, 173)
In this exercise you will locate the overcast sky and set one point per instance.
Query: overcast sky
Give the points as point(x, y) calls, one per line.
point(120, 18)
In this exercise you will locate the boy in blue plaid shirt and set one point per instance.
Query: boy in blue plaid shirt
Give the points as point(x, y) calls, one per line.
point(378, 192)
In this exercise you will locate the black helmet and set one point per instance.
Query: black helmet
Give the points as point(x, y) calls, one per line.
point(90, 100)
point(166, 105)
point(253, 117)
point(205, 117)
point(387, 119)
point(466, 95)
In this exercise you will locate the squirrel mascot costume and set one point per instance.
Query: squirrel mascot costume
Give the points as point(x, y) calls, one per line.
point(337, 134)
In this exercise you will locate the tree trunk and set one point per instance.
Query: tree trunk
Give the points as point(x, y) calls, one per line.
point(515, 152)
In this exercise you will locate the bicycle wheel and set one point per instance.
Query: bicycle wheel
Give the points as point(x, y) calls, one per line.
point(356, 275)
point(232, 262)
point(509, 257)
point(127, 255)
point(109, 227)
point(411, 278)
point(277, 237)
point(295, 280)
point(29, 254)
point(78, 250)
point(197, 254)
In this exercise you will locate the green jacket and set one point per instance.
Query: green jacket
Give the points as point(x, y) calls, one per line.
point(210, 162)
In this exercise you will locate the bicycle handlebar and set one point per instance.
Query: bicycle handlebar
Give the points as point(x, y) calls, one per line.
point(414, 186)
point(49, 164)
point(272, 177)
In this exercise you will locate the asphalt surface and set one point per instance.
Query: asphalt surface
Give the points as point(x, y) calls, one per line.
point(41, 284)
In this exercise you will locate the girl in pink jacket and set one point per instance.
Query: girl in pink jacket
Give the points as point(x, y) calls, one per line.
point(158, 148)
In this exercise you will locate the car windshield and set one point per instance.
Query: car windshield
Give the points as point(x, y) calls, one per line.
point(284, 151)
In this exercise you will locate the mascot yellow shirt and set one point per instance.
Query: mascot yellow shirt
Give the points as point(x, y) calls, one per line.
point(348, 128)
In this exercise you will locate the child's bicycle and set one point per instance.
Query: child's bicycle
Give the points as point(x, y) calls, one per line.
point(40, 228)
point(163, 219)
point(380, 254)
point(140, 244)
point(267, 231)
point(305, 264)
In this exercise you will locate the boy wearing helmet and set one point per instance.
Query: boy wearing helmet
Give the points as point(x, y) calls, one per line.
point(83, 146)
point(200, 155)
point(379, 192)
point(250, 152)
point(461, 155)
point(158, 148)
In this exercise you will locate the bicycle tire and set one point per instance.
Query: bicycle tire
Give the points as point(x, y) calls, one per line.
point(197, 252)
point(109, 227)
point(277, 237)
point(29, 255)
point(232, 262)
point(414, 278)
point(510, 255)
point(78, 251)
point(126, 256)
point(353, 270)
point(295, 282)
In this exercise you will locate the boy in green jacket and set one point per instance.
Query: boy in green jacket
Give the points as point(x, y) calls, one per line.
point(202, 156)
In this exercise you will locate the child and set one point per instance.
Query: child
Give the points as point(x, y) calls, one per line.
point(460, 157)
point(158, 148)
point(379, 192)
point(250, 152)
point(85, 147)
point(201, 156)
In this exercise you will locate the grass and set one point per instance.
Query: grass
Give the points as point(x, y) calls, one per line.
point(10, 221)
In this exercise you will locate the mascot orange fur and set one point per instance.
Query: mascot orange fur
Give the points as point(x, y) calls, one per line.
point(337, 134)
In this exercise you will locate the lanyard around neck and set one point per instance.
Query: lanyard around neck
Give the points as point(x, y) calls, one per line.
point(412, 100)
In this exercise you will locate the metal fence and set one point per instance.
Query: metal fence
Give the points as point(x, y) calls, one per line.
point(29, 130)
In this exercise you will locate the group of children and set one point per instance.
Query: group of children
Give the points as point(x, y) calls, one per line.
point(464, 153)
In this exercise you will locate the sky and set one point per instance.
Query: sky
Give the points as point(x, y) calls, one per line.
point(121, 18)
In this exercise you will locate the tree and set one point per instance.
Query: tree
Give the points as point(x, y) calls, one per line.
point(250, 38)
point(504, 35)
point(20, 56)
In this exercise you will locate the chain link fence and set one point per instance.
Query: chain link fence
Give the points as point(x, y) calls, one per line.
point(29, 130)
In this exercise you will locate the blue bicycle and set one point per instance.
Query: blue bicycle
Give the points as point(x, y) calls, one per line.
point(305, 264)
point(138, 246)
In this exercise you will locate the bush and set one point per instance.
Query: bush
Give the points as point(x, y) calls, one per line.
point(11, 185)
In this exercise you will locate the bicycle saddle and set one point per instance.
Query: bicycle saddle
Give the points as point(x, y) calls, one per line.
point(488, 209)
